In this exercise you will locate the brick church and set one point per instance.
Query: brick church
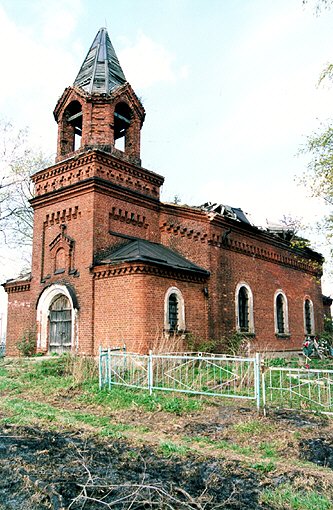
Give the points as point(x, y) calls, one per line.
point(113, 264)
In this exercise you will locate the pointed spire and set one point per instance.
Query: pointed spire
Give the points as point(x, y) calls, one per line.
point(100, 71)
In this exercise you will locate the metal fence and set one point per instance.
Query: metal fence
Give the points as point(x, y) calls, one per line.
point(298, 388)
point(215, 375)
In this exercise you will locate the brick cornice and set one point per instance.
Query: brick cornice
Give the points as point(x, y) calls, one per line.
point(294, 258)
point(20, 286)
point(99, 185)
point(96, 163)
point(135, 269)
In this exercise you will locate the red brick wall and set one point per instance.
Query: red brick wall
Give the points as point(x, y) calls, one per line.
point(134, 311)
point(21, 318)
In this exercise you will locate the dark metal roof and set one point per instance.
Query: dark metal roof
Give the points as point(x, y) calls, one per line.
point(140, 250)
point(100, 71)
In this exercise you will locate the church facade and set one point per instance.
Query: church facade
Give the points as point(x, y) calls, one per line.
point(112, 264)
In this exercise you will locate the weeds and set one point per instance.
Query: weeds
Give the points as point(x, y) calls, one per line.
point(168, 449)
point(264, 467)
point(254, 427)
point(27, 344)
point(285, 496)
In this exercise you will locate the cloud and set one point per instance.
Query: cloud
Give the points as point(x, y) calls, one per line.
point(146, 63)
point(32, 83)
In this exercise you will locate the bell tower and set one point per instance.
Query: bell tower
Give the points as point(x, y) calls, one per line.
point(100, 108)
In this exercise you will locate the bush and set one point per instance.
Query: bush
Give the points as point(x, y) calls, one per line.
point(27, 345)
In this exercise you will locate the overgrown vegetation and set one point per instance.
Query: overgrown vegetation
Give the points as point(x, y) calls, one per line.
point(27, 345)
point(210, 445)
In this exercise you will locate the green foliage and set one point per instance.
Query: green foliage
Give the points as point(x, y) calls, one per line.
point(27, 345)
point(276, 362)
point(236, 343)
point(252, 427)
point(264, 467)
point(169, 449)
point(286, 497)
point(196, 344)
point(268, 449)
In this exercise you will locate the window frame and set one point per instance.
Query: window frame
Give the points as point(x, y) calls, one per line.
point(285, 331)
point(180, 311)
point(239, 329)
point(311, 311)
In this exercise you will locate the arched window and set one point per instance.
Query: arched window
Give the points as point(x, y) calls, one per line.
point(244, 308)
point(122, 121)
point(281, 313)
point(308, 317)
point(174, 311)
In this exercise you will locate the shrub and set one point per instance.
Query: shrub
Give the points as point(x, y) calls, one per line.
point(27, 345)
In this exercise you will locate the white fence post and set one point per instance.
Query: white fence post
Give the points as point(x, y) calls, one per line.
point(150, 372)
point(109, 367)
point(257, 379)
point(100, 368)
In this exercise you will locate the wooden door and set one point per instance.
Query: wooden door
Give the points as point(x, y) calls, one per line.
point(60, 317)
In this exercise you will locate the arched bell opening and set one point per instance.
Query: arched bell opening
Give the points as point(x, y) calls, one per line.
point(122, 123)
point(71, 128)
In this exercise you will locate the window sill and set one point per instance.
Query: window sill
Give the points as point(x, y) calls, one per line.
point(247, 334)
point(59, 271)
point(282, 335)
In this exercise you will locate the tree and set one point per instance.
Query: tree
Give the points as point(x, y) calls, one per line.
point(18, 161)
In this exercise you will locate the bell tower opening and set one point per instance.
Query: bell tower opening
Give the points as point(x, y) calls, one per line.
point(122, 122)
point(71, 128)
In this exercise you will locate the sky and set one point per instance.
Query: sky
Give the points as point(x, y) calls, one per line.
point(230, 89)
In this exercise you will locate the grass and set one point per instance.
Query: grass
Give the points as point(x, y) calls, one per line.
point(62, 394)
point(169, 449)
point(286, 497)
point(23, 412)
point(254, 427)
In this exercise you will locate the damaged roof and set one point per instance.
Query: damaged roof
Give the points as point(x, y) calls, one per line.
point(235, 213)
point(100, 71)
point(140, 250)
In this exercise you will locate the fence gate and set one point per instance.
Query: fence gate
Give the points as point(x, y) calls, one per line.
point(298, 388)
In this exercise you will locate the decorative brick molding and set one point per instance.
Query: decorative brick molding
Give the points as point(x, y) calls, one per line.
point(146, 269)
point(295, 259)
point(96, 163)
point(58, 217)
point(127, 217)
point(11, 287)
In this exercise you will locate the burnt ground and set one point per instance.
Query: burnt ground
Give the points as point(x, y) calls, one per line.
point(53, 469)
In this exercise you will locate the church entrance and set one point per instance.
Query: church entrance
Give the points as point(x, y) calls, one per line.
point(57, 319)
point(60, 325)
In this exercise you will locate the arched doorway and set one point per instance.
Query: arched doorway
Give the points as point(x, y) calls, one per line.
point(57, 319)
point(60, 325)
